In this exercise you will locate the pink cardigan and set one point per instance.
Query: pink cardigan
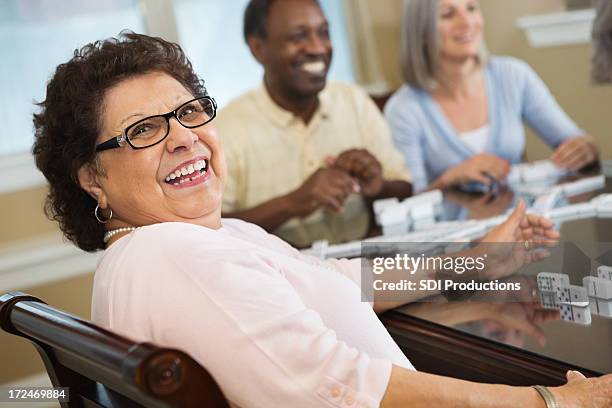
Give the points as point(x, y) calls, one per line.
point(276, 328)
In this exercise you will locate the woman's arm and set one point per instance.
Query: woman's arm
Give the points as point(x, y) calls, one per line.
point(415, 389)
point(482, 168)
point(406, 134)
point(573, 149)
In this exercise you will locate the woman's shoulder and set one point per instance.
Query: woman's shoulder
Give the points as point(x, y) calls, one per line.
point(155, 243)
point(404, 107)
point(509, 67)
point(405, 103)
point(151, 251)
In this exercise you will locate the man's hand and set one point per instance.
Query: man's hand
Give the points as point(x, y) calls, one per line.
point(575, 153)
point(364, 167)
point(325, 187)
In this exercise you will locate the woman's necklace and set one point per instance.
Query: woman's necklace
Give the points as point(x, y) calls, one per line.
point(111, 233)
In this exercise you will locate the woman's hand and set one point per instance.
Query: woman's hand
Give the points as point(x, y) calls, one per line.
point(582, 392)
point(575, 153)
point(483, 168)
point(482, 206)
point(517, 242)
point(520, 227)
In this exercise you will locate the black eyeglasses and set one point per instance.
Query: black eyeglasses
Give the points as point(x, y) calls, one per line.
point(150, 131)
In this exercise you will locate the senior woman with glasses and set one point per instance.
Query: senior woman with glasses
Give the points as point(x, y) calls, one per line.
point(459, 117)
point(135, 168)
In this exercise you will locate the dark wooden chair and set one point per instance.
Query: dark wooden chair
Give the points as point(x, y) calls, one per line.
point(103, 369)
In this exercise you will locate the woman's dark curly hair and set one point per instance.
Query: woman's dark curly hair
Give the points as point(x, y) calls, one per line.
point(70, 120)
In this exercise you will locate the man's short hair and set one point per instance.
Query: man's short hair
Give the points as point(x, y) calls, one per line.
point(256, 18)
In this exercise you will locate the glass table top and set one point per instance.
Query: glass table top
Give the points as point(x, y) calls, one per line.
point(527, 325)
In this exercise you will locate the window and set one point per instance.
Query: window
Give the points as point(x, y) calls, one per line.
point(211, 33)
point(36, 36)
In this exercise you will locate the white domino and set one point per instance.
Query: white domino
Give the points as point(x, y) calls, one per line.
point(550, 281)
point(586, 210)
point(603, 288)
point(593, 306)
point(432, 197)
point(423, 211)
point(393, 215)
point(393, 230)
point(549, 300)
point(603, 205)
point(589, 284)
point(569, 211)
point(535, 171)
point(598, 287)
point(584, 185)
point(423, 223)
point(575, 314)
point(582, 315)
point(572, 294)
point(605, 272)
point(604, 210)
point(604, 308)
point(603, 199)
point(547, 201)
point(380, 205)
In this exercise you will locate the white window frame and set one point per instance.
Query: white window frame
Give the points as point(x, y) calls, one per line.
point(18, 171)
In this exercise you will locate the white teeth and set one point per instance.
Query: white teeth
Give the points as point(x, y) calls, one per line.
point(186, 170)
point(314, 67)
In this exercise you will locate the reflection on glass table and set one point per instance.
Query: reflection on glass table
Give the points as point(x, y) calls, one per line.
point(528, 326)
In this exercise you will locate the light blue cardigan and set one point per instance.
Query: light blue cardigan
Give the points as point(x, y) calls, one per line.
point(431, 145)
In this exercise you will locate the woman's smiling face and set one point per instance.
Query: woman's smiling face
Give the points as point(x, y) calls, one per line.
point(460, 28)
point(180, 179)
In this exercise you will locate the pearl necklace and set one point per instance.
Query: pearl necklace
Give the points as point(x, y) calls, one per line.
point(109, 234)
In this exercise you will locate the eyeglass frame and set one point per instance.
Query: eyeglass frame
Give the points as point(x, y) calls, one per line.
point(123, 140)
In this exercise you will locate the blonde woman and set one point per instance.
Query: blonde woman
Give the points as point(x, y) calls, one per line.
point(459, 117)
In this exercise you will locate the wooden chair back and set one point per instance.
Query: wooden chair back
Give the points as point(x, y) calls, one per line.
point(103, 369)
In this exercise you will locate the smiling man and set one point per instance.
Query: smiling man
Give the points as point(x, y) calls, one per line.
point(306, 157)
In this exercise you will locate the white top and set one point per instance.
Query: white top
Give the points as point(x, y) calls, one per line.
point(276, 328)
point(476, 139)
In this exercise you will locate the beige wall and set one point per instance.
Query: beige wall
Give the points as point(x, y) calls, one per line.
point(565, 69)
point(18, 356)
point(22, 217)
